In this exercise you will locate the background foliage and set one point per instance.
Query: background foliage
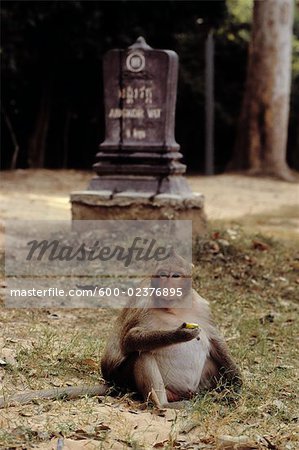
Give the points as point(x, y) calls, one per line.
point(51, 71)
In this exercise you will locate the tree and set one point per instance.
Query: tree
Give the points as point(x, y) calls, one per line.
point(51, 66)
point(263, 127)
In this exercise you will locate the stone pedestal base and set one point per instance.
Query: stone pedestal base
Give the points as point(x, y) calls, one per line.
point(171, 184)
point(103, 205)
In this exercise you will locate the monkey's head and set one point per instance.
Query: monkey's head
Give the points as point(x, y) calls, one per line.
point(172, 280)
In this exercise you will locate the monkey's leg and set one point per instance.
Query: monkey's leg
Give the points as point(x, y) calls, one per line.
point(227, 369)
point(150, 384)
point(149, 381)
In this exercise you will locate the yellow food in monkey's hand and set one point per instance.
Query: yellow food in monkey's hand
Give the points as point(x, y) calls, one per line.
point(191, 326)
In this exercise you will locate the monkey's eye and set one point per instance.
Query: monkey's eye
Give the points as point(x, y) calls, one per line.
point(176, 275)
point(163, 274)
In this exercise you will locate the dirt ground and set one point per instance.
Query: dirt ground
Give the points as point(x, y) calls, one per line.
point(41, 347)
point(265, 204)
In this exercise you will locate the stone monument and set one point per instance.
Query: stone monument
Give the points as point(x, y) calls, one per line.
point(139, 173)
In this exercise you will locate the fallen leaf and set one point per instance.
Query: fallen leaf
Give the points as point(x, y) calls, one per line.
point(232, 233)
point(25, 413)
point(102, 427)
point(9, 356)
point(189, 427)
point(279, 405)
point(284, 367)
point(159, 412)
point(90, 363)
point(259, 245)
point(295, 265)
point(83, 434)
point(160, 444)
point(223, 242)
point(53, 316)
point(269, 444)
point(268, 318)
point(214, 247)
point(55, 383)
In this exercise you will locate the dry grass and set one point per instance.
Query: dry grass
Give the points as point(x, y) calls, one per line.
point(252, 282)
point(254, 291)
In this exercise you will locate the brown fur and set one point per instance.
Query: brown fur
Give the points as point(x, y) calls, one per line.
point(154, 353)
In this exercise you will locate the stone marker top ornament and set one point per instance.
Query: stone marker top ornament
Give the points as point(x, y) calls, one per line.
point(141, 43)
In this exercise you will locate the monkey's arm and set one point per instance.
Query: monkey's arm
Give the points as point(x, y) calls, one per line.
point(228, 370)
point(56, 393)
point(140, 340)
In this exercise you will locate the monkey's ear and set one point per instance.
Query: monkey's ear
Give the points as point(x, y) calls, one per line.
point(174, 254)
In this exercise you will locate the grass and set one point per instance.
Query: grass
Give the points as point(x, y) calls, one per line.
point(252, 282)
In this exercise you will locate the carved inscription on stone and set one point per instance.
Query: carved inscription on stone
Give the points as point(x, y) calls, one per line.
point(140, 95)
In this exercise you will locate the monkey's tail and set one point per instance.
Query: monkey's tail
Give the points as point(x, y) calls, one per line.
point(70, 392)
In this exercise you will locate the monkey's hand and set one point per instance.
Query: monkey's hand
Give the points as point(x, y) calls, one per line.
point(185, 334)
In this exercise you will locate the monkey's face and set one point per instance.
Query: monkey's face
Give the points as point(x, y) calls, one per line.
point(172, 285)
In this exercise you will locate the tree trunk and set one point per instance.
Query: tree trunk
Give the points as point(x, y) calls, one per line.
point(263, 128)
point(66, 131)
point(14, 140)
point(38, 139)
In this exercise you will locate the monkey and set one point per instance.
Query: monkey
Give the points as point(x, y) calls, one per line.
point(152, 351)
